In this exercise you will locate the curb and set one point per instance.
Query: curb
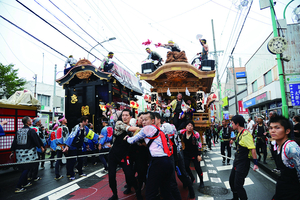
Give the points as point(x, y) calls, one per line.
point(268, 171)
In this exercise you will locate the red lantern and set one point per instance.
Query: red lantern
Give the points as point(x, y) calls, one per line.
point(136, 112)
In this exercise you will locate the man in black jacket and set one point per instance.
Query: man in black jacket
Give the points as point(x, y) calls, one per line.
point(24, 145)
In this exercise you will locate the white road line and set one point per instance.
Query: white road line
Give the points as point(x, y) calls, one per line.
point(267, 177)
point(205, 177)
point(212, 171)
point(209, 165)
point(217, 158)
point(205, 198)
point(215, 180)
point(226, 167)
point(202, 164)
point(63, 192)
point(206, 160)
point(66, 185)
point(100, 174)
point(248, 181)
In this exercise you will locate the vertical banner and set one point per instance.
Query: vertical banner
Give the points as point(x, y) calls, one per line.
point(242, 110)
point(200, 101)
point(154, 96)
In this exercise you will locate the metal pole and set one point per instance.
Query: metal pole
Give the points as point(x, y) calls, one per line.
point(216, 64)
point(286, 8)
point(113, 38)
point(234, 82)
point(43, 70)
point(285, 112)
point(35, 83)
point(54, 94)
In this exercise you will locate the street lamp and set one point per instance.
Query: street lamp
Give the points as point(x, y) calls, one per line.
point(113, 38)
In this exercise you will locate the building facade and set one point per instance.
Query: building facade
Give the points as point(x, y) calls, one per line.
point(263, 85)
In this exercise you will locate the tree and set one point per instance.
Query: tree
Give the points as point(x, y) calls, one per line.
point(9, 80)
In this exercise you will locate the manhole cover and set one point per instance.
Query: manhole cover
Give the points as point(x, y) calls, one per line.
point(213, 190)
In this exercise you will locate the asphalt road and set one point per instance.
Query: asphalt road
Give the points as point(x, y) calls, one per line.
point(258, 185)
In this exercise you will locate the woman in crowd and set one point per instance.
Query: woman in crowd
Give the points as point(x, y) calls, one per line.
point(192, 145)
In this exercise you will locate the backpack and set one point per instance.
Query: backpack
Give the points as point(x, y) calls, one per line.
point(166, 141)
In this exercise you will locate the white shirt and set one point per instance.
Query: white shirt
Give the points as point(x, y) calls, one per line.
point(250, 126)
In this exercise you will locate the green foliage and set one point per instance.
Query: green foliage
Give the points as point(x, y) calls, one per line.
point(9, 80)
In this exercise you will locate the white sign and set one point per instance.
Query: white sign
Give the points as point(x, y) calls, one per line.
point(200, 101)
point(154, 98)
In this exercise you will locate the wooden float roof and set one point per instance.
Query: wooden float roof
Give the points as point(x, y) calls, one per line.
point(177, 76)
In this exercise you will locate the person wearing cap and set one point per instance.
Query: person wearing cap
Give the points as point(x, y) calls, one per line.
point(24, 145)
point(62, 133)
point(105, 142)
point(106, 64)
point(153, 55)
point(71, 61)
point(175, 55)
point(33, 173)
point(204, 53)
point(260, 134)
point(172, 46)
point(241, 163)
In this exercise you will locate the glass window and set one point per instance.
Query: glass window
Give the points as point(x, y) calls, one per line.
point(44, 99)
point(254, 86)
point(268, 77)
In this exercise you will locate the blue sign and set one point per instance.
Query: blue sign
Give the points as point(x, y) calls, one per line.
point(249, 103)
point(295, 94)
point(226, 116)
point(240, 75)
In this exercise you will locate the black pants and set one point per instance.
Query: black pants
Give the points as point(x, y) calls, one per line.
point(52, 155)
point(159, 177)
point(198, 169)
point(103, 157)
point(33, 170)
point(41, 157)
point(108, 67)
point(183, 175)
point(226, 145)
point(215, 138)
point(72, 162)
point(208, 142)
point(58, 163)
point(113, 162)
point(25, 169)
point(236, 182)
point(179, 123)
point(263, 146)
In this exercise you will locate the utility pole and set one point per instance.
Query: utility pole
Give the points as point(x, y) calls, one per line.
point(234, 82)
point(54, 94)
point(218, 81)
point(285, 111)
point(35, 83)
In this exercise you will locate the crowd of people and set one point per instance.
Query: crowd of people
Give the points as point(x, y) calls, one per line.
point(151, 150)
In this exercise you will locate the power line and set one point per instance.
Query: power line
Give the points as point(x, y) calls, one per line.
point(56, 29)
point(77, 25)
point(33, 36)
point(35, 44)
point(15, 55)
point(64, 23)
point(237, 39)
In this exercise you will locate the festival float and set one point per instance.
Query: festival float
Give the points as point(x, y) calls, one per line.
point(88, 91)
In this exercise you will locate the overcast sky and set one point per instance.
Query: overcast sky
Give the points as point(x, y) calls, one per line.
point(131, 22)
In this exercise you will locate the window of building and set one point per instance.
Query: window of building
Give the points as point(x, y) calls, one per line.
point(254, 86)
point(268, 77)
point(44, 99)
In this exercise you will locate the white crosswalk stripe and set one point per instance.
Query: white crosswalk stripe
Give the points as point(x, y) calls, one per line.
point(226, 167)
point(205, 198)
point(248, 181)
point(217, 158)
